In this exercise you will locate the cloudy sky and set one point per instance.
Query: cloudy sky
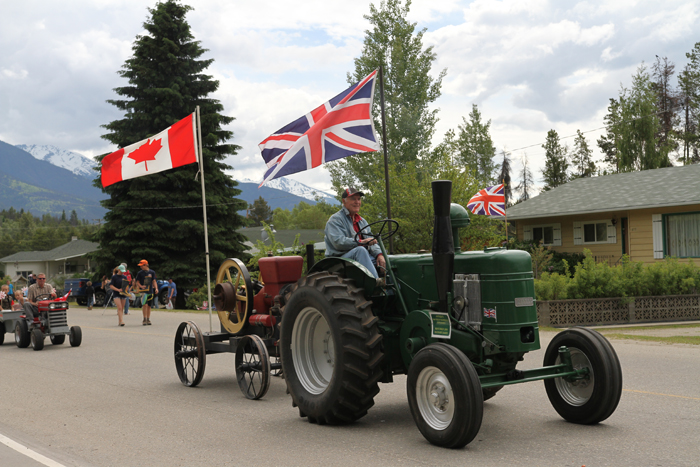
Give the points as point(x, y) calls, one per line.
point(530, 65)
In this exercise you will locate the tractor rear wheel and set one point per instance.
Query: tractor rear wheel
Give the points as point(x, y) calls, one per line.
point(330, 349)
point(444, 395)
point(593, 398)
point(22, 334)
point(37, 339)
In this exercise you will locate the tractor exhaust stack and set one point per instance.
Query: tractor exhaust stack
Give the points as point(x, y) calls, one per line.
point(443, 244)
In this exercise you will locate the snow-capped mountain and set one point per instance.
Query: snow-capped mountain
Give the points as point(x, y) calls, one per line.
point(76, 163)
point(297, 188)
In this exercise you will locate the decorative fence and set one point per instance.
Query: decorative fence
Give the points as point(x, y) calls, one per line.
point(562, 313)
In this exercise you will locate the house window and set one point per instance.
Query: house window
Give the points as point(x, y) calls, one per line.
point(683, 235)
point(595, 232)
point(548, 234)
point(587, 232)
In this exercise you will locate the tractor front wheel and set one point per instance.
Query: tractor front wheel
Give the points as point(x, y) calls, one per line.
point(330, 348)
point(37, 339)
point(444, 395)
point(593, 397)
point(76, 336)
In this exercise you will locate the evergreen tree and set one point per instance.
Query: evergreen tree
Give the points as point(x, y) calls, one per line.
point(689, 84)
point(607, 142)
point(504, 177)
point(408, 91)
point(260, 212)
point(556, 165)
point(527, 181)
point(581, 157)
point(475, 148)
point(666, 104)
point(159, 216)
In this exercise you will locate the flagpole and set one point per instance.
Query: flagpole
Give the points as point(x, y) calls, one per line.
point(204, 211)
point(386, 159)
point(505, 208)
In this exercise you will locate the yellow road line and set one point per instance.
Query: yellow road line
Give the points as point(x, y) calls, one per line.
point(662, 394)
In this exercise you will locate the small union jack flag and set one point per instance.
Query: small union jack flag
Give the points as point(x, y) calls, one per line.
point(490, 313)
point(338, 128)
point(65, 297)
point(490, 201)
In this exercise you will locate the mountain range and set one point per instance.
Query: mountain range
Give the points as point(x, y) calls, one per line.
point(55, 180)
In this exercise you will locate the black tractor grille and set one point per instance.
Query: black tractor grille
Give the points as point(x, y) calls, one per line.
point(58, 318)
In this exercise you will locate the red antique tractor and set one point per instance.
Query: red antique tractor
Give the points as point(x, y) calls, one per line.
point(52, 322)
point(249, 319)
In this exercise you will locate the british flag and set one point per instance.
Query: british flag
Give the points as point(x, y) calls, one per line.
point(338, 128)
point(490, 201)
point(490, 313)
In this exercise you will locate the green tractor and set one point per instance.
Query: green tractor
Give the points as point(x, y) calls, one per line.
point(456, 323)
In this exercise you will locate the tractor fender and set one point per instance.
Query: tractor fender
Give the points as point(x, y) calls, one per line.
point(350, 269)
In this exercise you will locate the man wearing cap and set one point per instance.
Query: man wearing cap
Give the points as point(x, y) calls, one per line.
point(146, 281)
point(340, 234)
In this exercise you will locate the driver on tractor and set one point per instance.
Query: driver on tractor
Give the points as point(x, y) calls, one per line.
point(40, 288)
point(343, 228)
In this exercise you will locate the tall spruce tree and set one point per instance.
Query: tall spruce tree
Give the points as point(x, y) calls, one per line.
point(408, 91)
point(527, 182)
point(504, 177)
point(689, 84)
point(556, 165)
point(474, 146)
point(666, 104)
point(582, 157)
point(159, 217)
point(607, 142)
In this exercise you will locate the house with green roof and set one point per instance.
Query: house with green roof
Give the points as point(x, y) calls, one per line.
point(65, 259)
point(647, 215)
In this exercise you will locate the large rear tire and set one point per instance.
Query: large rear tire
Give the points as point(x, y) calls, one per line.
point(595, 397)
point(330, 348)
point(22, 334)
point(444, 395)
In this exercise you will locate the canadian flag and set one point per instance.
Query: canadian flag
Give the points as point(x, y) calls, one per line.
point(170, 148)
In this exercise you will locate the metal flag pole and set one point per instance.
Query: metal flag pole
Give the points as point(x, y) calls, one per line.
point(386, 158)
point(204, 210)
point(505, 208)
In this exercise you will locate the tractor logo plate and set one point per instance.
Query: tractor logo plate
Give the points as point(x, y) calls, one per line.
point(442, 329)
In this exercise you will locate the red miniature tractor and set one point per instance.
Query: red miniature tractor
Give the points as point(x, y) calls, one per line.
point(52, 322)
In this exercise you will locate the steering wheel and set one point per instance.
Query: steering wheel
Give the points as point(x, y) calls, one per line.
point(45, 296)
point(381, 234)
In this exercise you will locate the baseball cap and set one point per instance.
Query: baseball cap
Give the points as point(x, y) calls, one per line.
point(122, 268)
point(143, 262)
point(349, 191)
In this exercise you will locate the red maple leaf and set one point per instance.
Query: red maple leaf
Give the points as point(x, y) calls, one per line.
point(146, 152)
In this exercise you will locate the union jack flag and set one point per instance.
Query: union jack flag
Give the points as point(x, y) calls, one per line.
point(338, 128)
point(489, 201)
point(490, 313)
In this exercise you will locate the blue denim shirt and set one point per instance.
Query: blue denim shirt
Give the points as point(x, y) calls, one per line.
point(340, 235)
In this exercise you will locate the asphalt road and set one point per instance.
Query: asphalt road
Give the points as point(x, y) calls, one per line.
point(117, 401)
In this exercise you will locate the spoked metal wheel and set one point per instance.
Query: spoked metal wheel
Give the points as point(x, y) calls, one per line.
point(252, 367)
point(233, 295)
point(190, 354)
point(313, 350)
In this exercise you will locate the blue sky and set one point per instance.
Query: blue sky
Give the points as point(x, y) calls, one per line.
point(530, 65)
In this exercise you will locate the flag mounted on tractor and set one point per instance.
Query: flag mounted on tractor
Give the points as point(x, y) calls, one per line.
point(338, 128)
point(172, 147)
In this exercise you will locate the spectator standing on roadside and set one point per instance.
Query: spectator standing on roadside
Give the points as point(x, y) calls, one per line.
point(127, 287)
point(172, 292)
point(116, 285)
point(90, 292)
point(146, 281)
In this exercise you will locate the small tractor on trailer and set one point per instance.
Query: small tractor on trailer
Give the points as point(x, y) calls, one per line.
point(457, 323)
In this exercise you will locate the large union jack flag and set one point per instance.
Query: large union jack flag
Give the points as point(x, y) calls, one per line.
point(338, 128)
point(489, 201)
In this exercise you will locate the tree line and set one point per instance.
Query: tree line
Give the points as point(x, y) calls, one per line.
point(22, 231)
